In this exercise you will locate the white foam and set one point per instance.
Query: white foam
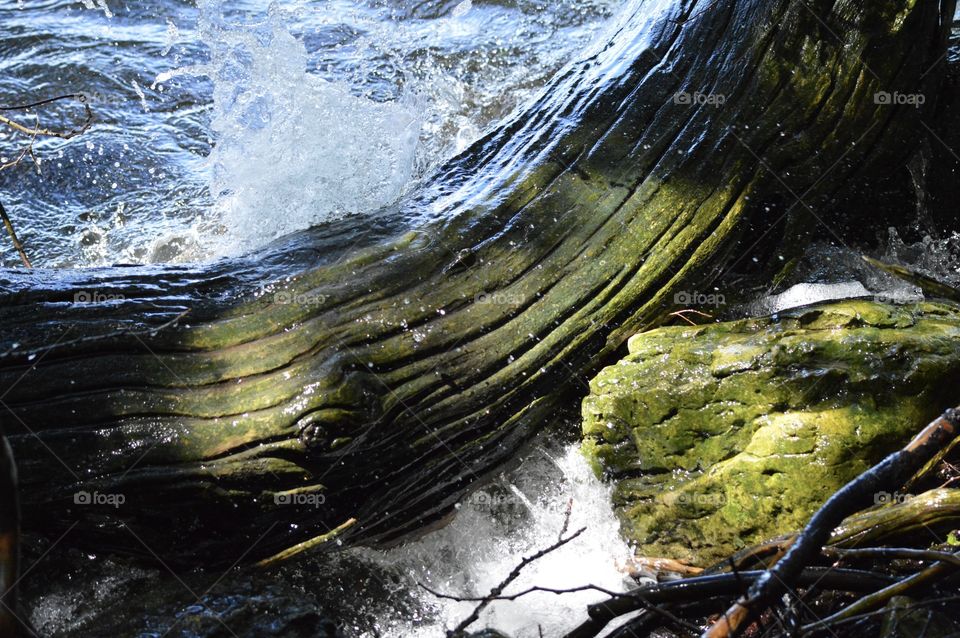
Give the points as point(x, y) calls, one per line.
point(291, 149)
point(99, 4)
point(808, 293)
point(484, 543)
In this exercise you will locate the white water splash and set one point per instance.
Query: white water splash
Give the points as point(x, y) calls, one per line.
point(98, 4)
point(808, 293)
point(494, 530)
point(830, 272)
point(291, 149)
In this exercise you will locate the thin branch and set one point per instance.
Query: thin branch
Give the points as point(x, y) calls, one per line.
point(13, 237)
point(496, 592)
point(880, 598)
point(27, 150)
point(512, 576)
point(44, 132)
point(682, 314)
point(895, 552)
point(641, 601)
point(525, 592)
point(914, 605)
point(699, 588)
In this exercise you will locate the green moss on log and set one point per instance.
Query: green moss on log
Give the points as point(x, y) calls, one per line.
point(390, 369)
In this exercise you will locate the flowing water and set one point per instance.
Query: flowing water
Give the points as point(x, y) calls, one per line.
point(370, 592)
point(222, 125)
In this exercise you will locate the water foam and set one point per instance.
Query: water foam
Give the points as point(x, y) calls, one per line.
point(292, 149)
point(828, 272)
point(493, 530)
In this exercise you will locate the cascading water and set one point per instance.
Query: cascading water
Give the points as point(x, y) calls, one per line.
point(223, 127)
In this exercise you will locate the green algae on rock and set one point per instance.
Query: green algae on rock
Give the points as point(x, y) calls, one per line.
point(720, 436)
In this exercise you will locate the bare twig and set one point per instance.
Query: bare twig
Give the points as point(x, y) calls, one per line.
point(496, 592)
point(914, 605)
point(13, 237)
point(45, 132)
point(682, 314)
point(28, 150)
point(525, 592)
point(512, 576)
point(880, 598)
point(640, 601)
point(699, 588)
point(895, 552)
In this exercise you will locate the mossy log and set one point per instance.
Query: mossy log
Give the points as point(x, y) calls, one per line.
point(376, 366)
point(719, 436)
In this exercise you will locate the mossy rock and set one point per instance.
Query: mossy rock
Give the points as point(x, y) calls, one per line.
point(722, 435)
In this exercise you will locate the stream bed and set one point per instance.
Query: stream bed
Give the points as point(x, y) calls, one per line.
point(220, 126)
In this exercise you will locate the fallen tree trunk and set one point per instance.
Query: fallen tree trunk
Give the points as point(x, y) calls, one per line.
point(367, 370)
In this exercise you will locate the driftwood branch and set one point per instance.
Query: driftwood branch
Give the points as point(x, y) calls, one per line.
point(889, 474)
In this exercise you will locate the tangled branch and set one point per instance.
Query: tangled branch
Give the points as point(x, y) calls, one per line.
point(890, 473)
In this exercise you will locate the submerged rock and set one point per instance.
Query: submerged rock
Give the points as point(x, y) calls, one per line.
point(719, 436)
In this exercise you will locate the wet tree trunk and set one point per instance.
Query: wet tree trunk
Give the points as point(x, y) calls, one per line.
point(373, 368)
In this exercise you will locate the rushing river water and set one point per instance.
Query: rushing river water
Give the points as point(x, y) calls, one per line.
point(219, 128)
